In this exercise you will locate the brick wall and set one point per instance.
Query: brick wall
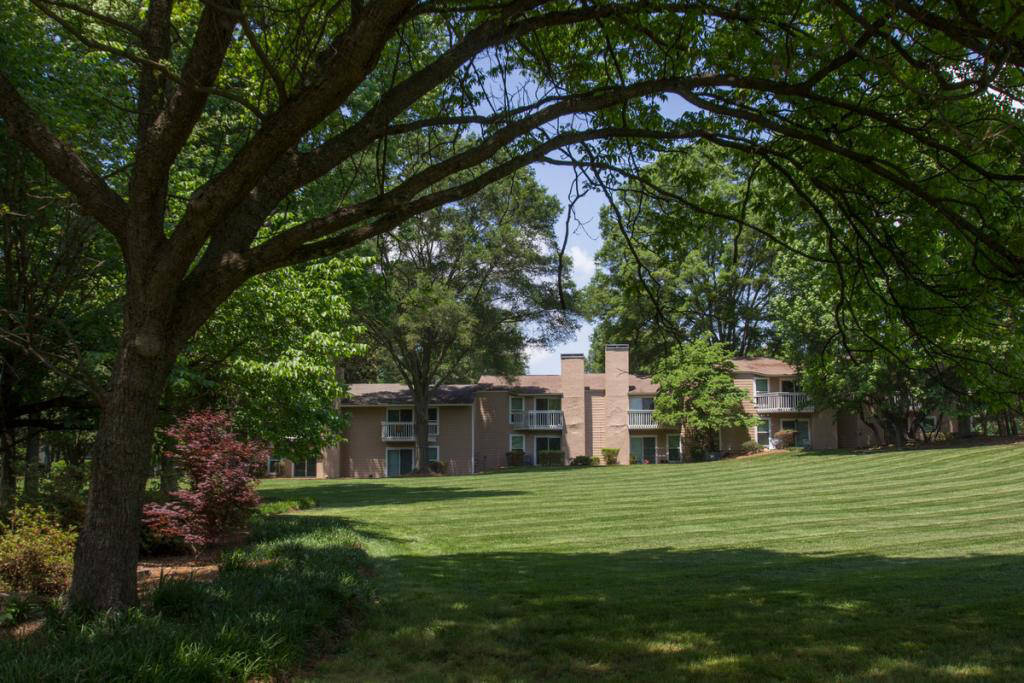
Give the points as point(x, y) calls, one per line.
point(492, 429)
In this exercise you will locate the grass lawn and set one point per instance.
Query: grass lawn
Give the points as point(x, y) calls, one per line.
point(883, 566)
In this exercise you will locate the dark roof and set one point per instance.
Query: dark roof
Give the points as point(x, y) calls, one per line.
point(399, 394)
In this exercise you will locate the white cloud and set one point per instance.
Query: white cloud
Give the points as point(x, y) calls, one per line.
point(541, 361)
point(583, 266)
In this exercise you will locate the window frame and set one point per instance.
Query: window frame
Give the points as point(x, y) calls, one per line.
point(767, 422)
point(387, 415)
point(643, 401)
point(547, 399)
point(538, 449)
point(522, 437)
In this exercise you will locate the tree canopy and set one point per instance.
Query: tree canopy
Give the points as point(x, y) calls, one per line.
point(697, 391)
point(464, 289)
point(235, 138)
point(674, 267)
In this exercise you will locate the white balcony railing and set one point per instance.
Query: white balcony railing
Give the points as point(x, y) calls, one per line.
point(783, 402)
point(404, 431)
point(536, 419)
point(642, 419)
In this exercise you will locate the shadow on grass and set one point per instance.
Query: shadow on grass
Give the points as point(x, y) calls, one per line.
point(663, 613)
point(958, 443)
point(350, 494)
point(295, 591)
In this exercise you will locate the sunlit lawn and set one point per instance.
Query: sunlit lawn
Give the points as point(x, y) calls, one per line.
point(896, 565)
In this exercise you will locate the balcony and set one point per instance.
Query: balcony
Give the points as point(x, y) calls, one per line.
point(643, 419)
point(536, 419)
point(405, 431)
point(783, 402)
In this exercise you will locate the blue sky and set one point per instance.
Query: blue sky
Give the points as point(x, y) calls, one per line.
point(583, 244)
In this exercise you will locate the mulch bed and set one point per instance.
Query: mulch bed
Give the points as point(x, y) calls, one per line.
point(202, 567)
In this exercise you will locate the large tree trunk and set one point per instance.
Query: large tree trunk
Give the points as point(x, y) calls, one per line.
point(421, 403)
point(963, 426)
point(107, 552)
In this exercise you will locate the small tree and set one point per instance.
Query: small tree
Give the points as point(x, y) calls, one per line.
point(221, 470)
point(697, 390)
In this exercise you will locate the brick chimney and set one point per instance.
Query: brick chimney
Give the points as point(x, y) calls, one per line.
point(616, 390)
point(574, 406)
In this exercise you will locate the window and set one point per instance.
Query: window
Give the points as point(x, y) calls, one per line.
point(549, 404)
point(641, 403)
point(929, 423)
point(433, 454)
point(399, 415)
point(431, 414)
point(764, 430)
point(790, 386)
point(399, 461)
point(515, 410)
point(761, 385)
point(548, 443)
point(516, 442)
point(642, 449)
point(675, 454)
point(802, 429)
point(304, 467)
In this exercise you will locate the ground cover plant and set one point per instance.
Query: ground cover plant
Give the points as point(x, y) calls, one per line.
point(294, 591)
point(902, 566)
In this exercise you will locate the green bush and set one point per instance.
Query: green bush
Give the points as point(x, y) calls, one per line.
point(63, 492)
point(36, 553)
point(610, 455)
point(515, 458)
point(278, 507)
point(583, 461)
point(17, 610)
point(551, 458)
point(276, 605)
point(697, 454)
point(750, 447)
point(438, 466)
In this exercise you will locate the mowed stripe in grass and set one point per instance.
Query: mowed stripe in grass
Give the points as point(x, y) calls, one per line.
point(891, 565)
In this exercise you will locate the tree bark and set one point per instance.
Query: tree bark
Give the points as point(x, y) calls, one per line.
point(421, 404)
point(7, 476)
point(107, 552)
point(168, 475)
point(31, 489)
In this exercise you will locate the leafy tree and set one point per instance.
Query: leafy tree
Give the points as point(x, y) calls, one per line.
point(674, 267)
point(848, 332)
point(269, 357)
point(267, 135)
point(696, 390)
point(467, 287)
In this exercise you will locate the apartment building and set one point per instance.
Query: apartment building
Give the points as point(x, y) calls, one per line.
point(473, 426)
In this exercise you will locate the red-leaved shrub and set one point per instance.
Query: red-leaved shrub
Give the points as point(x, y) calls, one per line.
point(221, 470)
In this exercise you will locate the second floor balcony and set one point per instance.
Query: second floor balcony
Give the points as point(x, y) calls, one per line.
point(536, 419)
point(405, 431)
point(643, 419)
point(783, 402)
